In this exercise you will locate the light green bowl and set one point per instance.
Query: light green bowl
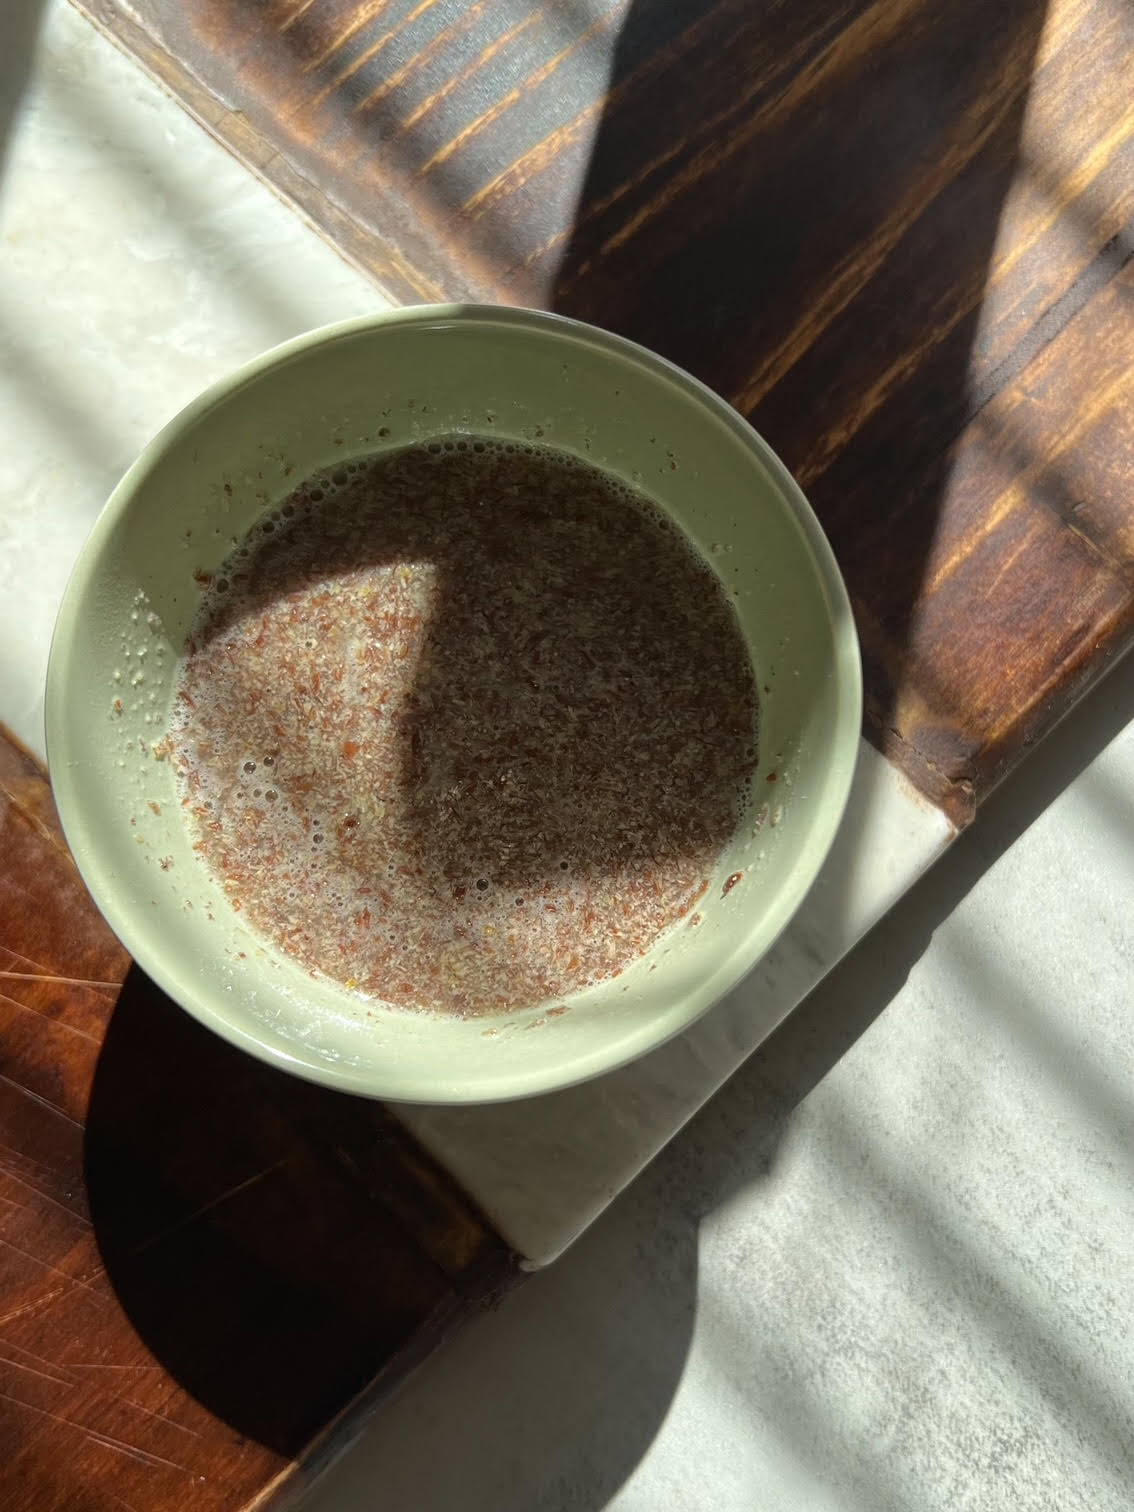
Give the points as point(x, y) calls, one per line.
point(385, 382)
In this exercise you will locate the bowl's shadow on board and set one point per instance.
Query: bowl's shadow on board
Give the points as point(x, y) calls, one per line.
point(267, 1238)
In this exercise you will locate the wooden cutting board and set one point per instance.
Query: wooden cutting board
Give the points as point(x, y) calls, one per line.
point(209, 1272)
point(896, 234)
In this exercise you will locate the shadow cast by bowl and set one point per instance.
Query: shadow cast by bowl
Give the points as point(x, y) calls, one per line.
point(241, 1218)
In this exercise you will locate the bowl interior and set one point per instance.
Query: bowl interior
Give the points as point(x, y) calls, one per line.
point(385, 383)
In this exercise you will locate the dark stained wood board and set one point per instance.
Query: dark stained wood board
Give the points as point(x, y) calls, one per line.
point(896, 234)
point(209, 1272)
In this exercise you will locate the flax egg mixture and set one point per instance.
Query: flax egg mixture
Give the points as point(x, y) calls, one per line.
point(465, 727)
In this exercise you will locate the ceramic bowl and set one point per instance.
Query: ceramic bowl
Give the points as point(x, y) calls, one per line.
point(355, 389)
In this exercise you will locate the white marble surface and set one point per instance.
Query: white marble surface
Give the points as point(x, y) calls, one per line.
point(888, 1267)
point(139, 262)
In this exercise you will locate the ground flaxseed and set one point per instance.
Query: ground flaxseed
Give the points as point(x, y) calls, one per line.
point(465, 726)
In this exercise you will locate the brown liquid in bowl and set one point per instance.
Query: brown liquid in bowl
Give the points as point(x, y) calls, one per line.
point(465, 726)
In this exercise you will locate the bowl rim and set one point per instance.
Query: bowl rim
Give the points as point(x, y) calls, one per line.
point(113, 902)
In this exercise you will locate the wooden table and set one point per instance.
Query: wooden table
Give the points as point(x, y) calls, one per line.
point(898, 236)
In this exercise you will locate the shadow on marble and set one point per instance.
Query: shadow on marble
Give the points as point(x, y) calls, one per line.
point(1118, 806)
point(43, 386)
point(193, 217)
point(244, 1242)
point(550, 1404)
point(1040, 1034)
point(19, 30)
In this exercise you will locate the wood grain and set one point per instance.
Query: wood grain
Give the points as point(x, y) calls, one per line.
point(899, 237)
point(209, 1272)
point(875, 225)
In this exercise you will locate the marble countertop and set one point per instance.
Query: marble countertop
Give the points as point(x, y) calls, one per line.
point(887, 1265)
